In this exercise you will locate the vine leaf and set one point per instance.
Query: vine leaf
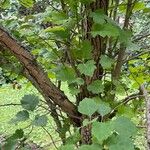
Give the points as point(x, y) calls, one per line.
point(104, 108)
point(29, 102)
point(87, 106)
point(26, 3)
point(40, 120)
point(91, 147)
point(106, 62)
point(96, 87)
point(20, 116)
point(102, 130)
point(124, 126)
point(120, 143)
point(87, 68)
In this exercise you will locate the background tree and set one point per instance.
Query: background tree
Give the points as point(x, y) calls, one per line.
point(92, 46)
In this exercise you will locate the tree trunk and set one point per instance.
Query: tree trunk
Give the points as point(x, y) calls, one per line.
point(99, 47)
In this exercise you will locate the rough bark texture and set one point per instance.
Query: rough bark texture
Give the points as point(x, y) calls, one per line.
point(38, 77)
point(147, 102)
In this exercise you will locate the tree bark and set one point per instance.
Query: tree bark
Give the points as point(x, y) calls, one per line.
point(99, 47)
point(147, 102)
point(34, 73)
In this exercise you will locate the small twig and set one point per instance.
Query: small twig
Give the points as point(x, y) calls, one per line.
point(50, 137)
point(136, 56)
point(126, 100)
point(11, 104)
point(141, 37)
point(141, 126)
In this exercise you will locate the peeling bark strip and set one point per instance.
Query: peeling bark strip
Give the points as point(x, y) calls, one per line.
point(37, 76)
point(147, 102)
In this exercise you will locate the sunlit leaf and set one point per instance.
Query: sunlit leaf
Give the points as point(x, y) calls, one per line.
point(106, 62)
point(102, 130)
point(87, 106)
point(105, 30)
point(104, 108)
point(96, 87)
point(27, 3)
point(124, 127)
point(87, 68)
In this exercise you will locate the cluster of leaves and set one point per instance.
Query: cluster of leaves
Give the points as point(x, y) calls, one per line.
point(29, 104)
point(113, 135)
point(54, 37)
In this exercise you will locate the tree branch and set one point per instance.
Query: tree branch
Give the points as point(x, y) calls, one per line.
point(117, 69)
point(136, 39)
point(10, 104)
point(34, 72)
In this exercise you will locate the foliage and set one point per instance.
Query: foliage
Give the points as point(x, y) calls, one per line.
point(100, 53)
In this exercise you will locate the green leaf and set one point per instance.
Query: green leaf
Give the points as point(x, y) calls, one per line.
point(125, 37)
point(120, 143)
point(10, 145)
point(55, 29)
point(40, 120)
point(67, 147)
point(18, 134)
point(139, 6)
point(105, 30)
point(104, 108)
point(84, 51)
point(106, 62)
point(59, 18)
point(124, 127)
point(21, 116)
point(12, 141)
point(29, 102)
point(98, 17)
point(120, 88)
point(91, 147)
point(96, 87)
point(102, 130)
point(146, 10)
point(126, 111)
point(73, 139)
point(79, 81)
point(58, 31)
point(65, 73)
point(87, 106)
point(74, 90)
point(87, 121)
point(27, 3)
point(5, 4)
point(87, 68)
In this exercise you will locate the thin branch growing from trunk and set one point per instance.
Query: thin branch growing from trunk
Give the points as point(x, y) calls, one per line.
point(121, 54)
